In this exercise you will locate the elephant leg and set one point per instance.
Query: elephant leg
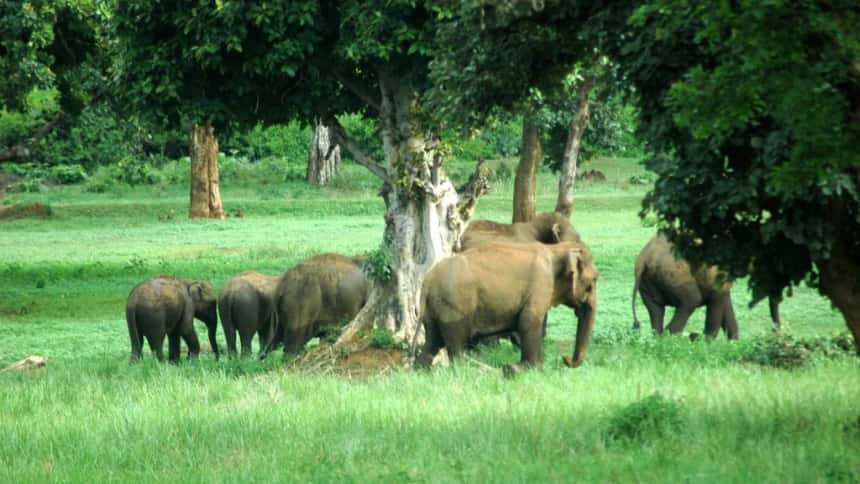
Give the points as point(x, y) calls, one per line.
point(432, 344)
point(230, 335)
point(773, 303)
point(730, 324)
point(713, 320)
point(246, 337)
point(531, 337)
point(156, 343)
point(173, 348)
point(679, 319)
point(456, 336)
point(190, 337)
point(656, 313)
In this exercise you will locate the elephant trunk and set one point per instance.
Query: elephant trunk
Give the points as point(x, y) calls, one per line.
point(585, 323)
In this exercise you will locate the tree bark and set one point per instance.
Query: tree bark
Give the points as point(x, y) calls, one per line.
point(205, 192)
point(424, 215)
point(525, 182)
point(323, 157)
point(567, 177)
point(839, 273)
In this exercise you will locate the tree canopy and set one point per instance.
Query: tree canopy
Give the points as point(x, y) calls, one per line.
point(751, 109)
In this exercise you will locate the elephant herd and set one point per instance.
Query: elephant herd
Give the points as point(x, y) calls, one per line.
point(502, 281)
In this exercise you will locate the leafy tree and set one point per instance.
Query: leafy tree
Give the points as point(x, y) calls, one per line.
point(515, 56)
point(49, 44)
point(237, 62)
point(753, 111)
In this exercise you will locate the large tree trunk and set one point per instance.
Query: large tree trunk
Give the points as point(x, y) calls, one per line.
point(323, 157)
point(567, 177)
point(205, 193)
point(424, 215)
point(525, 183)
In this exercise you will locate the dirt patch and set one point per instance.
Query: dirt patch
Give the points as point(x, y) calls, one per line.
point(361, 362)
point(35, 210)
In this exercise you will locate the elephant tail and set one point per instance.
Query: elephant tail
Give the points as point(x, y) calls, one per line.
point(133, 333)
point(637, 279)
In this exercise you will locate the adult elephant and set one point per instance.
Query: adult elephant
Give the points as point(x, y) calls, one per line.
point(663, 279)
point(467, 295)
point(247, 306)
point(166, 305)
point(546, 228)
point(314, 295)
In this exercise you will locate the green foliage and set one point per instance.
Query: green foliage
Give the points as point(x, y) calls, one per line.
point(377, 266)
point(753, 123)
point(67, 174)
point(382, 339)
point(134, 172)
point(285, 141)
point(653, 417)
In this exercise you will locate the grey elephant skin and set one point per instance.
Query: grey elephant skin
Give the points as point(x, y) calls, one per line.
point(166, 305)
point(317, 294)
point(466, 295)
point(247, 305)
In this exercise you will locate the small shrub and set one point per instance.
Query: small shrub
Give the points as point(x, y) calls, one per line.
point(30, 184)
point(68, 174)
point(382, 339)
point(104, 178)
point(377, 266)
point(654, 416)
point(135, 172)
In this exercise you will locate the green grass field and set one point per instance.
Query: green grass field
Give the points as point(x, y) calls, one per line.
point(90, 416)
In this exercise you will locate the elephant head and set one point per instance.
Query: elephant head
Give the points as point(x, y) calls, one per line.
point(205, 309)
point(578, 290)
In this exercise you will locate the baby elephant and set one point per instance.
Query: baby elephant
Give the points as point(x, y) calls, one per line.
point(247, 304)
point(166, 305)
point(504, 287)
point(318, 292)
point(663, 280)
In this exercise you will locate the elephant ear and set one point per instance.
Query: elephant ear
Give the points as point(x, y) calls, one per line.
point(574, 266)
point(196, 292)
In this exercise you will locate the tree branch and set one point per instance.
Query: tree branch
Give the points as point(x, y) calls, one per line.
point(23, 150)
point(356, 89)
point(342, 138)
point(478, 184)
